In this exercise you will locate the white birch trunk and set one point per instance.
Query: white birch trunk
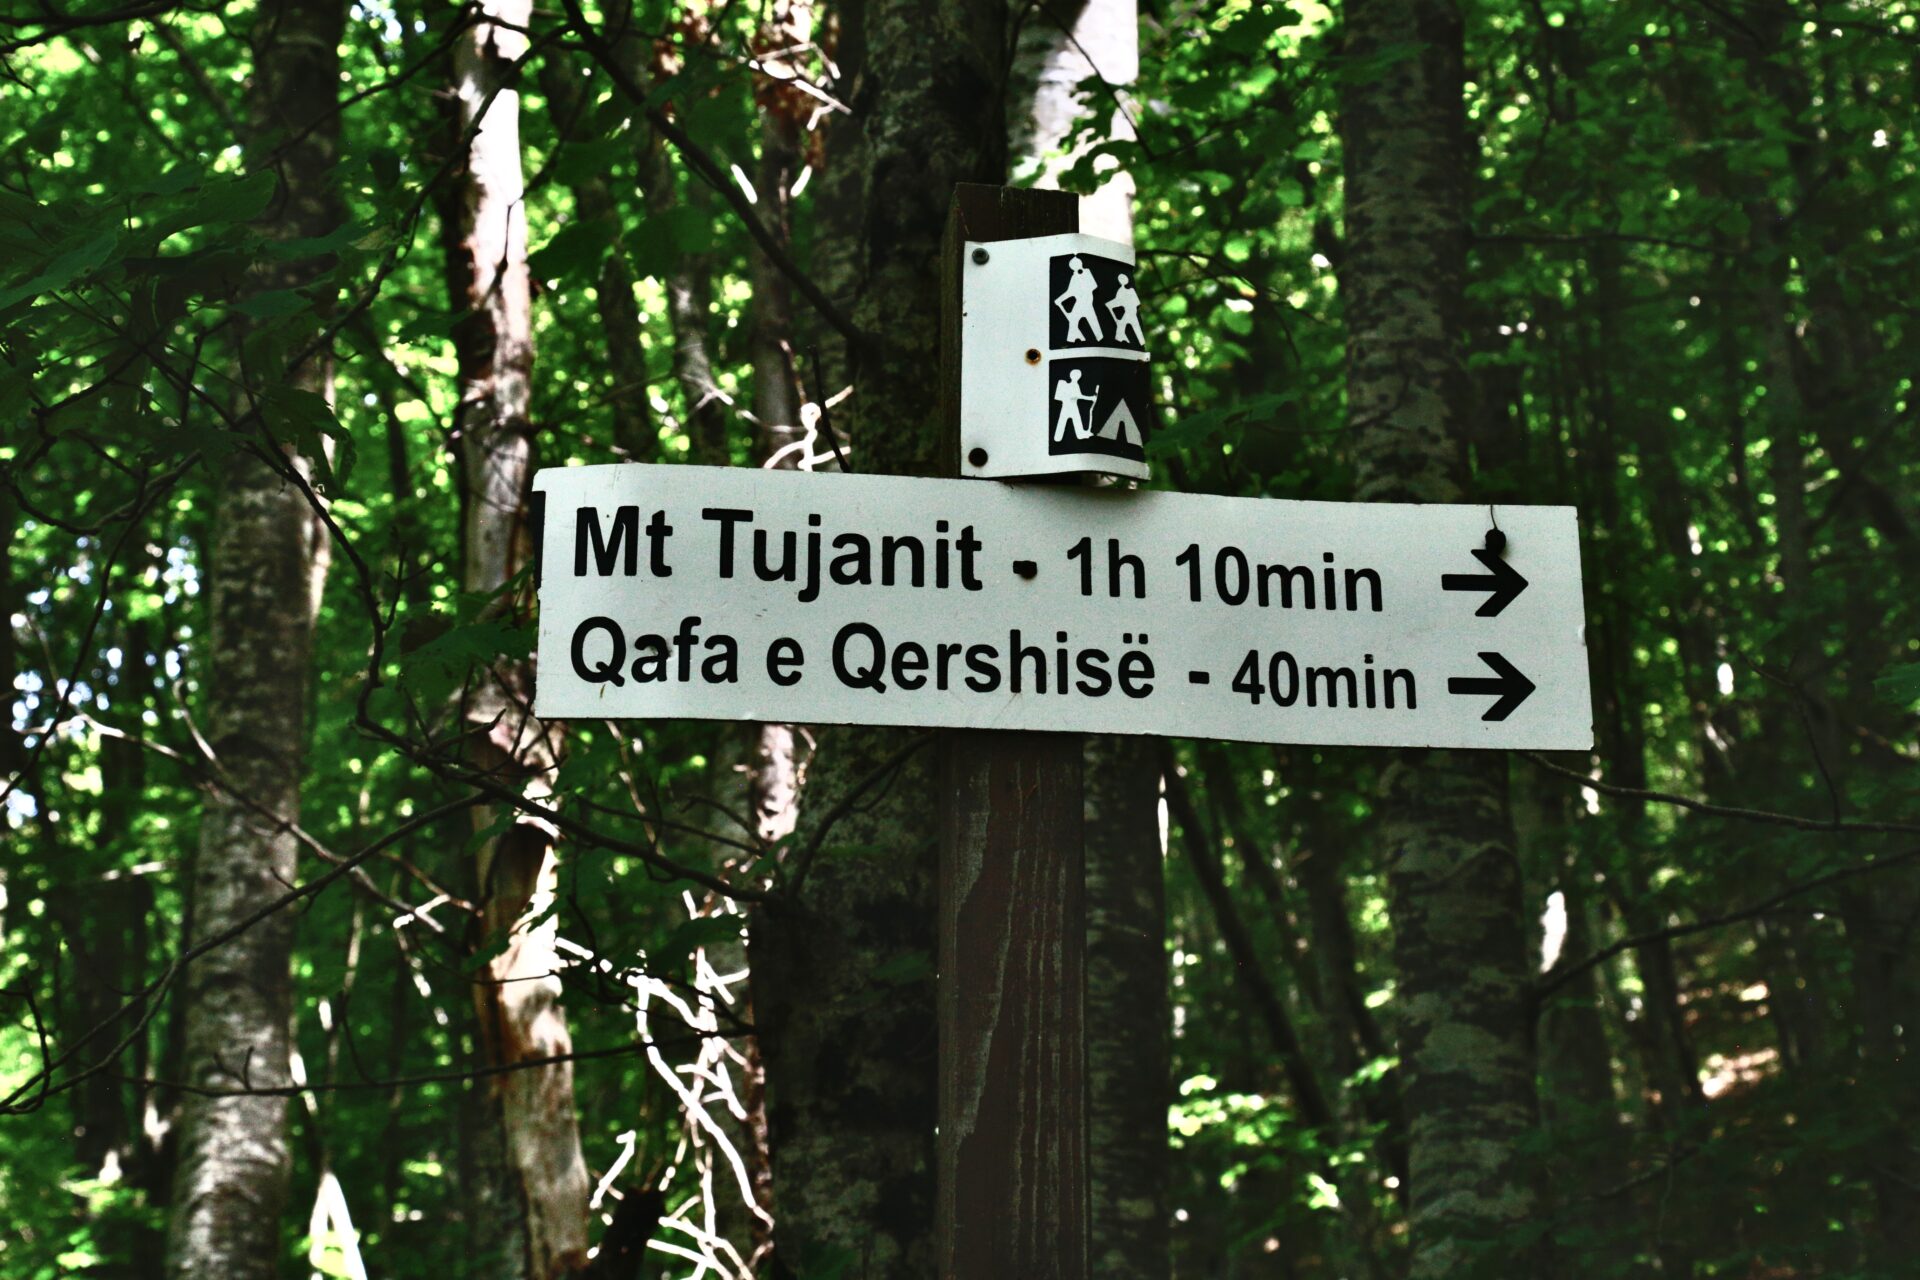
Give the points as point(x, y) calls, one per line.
point(518, 998)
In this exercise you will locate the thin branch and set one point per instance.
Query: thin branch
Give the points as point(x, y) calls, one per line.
point(1561, 975)
point(708, 169)
point(1721, 810)
point(148, 494)
point(299, 893)
point(803, 860)
point(55, 25)
point(429, 1077)
point(207, 770)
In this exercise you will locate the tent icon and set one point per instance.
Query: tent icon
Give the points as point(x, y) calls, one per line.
point(1121, 426)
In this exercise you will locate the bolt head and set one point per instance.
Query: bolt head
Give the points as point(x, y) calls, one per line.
point(980, 257)
point(977, 456)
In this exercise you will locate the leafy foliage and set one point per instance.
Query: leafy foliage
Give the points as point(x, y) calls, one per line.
point(1695, 253)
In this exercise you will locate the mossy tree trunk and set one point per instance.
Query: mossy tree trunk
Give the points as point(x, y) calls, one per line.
point(267, 562)
point(843, 970)
point(1459, 927)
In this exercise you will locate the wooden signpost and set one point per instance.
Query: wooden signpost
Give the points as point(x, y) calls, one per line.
point(1015, 616)
point(1013, 1195)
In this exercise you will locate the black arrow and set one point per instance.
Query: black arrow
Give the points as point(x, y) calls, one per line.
point(1507, 681)
point(1501, 586)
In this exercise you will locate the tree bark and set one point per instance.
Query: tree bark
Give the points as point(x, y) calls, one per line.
point(268, 545)
point(1319, 866)
point(1199, 846)
point(850, 1056)
point(784, 111)
point(775, 768)
point(1579, 1110)
point(528, 1187)
point(1454, 883)
point(689, 287)
point(634, 433)
point(1128, 1028)
point(1128, 995)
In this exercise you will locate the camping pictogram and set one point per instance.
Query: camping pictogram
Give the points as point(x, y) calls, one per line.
point(1099, 406)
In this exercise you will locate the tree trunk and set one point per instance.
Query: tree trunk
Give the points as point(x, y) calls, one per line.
point(689, 287)
point(1578, 1106)
point(1454, 883)
point(527, 1196)
point(1250, 974)
point(634, 433)
point(1059, 46)
point(775, 769)
point(843, 982)
point(231, 1180)
point(1319, 865)
point(784, 111)
point(1128, 1047)
point(1128, 995)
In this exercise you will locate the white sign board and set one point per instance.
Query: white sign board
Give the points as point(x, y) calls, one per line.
point(1053, 359)
point(716, 593)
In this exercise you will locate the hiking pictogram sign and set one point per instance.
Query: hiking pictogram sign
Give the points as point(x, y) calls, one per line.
point(1054, 367)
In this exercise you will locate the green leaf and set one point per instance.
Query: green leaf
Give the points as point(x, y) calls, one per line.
point(1900, 685)
point(690, 229)
point(344, 236)
point(273, 305)
point(232, 200)
point(175, 180)
point(306, 421)
point(701, 931)
point(587, 160)
point(1201, 427)
point(300, 418)
point(64, 269)
point(575, 253)
point(438, 667)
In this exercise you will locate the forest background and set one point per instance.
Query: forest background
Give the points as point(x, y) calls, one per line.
point(323, 957)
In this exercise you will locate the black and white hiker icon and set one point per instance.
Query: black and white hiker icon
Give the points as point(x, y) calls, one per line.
point(1099, 404)
point(1055, 374)
point(1125, 306)
point(1093, 303)
point(1073, 401)
point(1099, 394)
point(1076, 302)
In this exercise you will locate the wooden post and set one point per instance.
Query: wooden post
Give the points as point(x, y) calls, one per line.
point(1013, 1190)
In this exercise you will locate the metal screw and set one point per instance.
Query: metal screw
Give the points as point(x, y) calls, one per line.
point(1496, 540)
point(977, 456)
point(980, 257)
point(1033, 355)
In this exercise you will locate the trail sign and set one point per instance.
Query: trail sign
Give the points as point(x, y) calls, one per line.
point(716, 593)
point(1053, 359)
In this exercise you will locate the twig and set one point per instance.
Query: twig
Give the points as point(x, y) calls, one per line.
point(1561, 975)
point(1722, 810)
point(714, 176)
point(10, 1103)
point(803, 860)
